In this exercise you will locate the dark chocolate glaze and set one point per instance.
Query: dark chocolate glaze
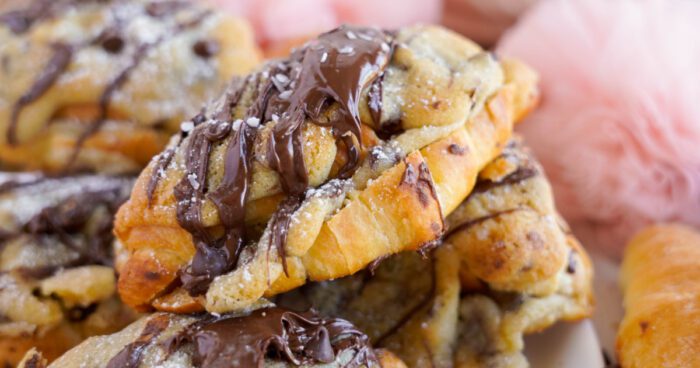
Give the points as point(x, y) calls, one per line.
point(333, 69)
point(130, 356)
point(275, 333)
point(58, 62)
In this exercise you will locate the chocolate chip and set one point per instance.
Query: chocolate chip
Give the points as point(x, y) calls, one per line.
point(206, 48)
point(113, 44)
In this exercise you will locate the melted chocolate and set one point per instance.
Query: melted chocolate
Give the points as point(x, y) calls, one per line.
point(521, 174)
point(130, 356)
point(335, 68)
point(57, 64)
point(276, 333)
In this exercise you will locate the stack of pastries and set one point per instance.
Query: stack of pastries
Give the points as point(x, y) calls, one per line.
point(362, 202)
point(87, 97)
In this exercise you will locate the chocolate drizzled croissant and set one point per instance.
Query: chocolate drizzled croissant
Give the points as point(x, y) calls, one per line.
point(101, 85)
point(57, 285)
point(360, 131)
point(265, 337)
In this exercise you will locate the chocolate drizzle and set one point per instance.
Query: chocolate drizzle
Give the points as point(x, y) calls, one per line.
point(131, 355)
point(80, 216)
point(57, 64)
point(123, 76)
point(276, 333)
point(109, 39)
point(521, 174)
point(333, 69)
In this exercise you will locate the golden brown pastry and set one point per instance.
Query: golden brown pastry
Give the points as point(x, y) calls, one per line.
point(418, 308)
point(659, 277)
point(268, 336)
point(359, 132)
point(57, 285)
point(101, 85)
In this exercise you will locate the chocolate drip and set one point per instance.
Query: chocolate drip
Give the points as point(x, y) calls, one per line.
point(276, 333)
point(57, 64)
point(335, 68)
point(130, 356)
point(521, 174)
point(106, 97)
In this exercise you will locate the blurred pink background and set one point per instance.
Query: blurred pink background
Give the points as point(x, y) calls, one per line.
point(618, 130)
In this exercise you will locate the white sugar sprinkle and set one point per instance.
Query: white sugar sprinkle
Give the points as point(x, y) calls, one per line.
point(187, 126)
point(351, 35)
point(237, 124)
point(281, 78)
point(192, 178)
point(346, 50)
point(324, 57)
point(285, 95)
point(275, 117)
point(385, 47)
point(253, 122)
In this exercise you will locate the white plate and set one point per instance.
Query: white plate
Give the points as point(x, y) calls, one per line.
point(565, 345)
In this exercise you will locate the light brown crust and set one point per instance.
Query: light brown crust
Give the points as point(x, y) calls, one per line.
point(659, 276)
point(143, 114)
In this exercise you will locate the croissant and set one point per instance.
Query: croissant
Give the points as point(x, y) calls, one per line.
point(420, 308)
point(89, 86)
point(508, 231)
point(267, 336)
point(353, 148)
point(57, 285)
point(659, 277)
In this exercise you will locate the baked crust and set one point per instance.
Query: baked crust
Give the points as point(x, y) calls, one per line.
point(662, 298)
point(88, 85)
point(423, 309)
point(397, 197)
